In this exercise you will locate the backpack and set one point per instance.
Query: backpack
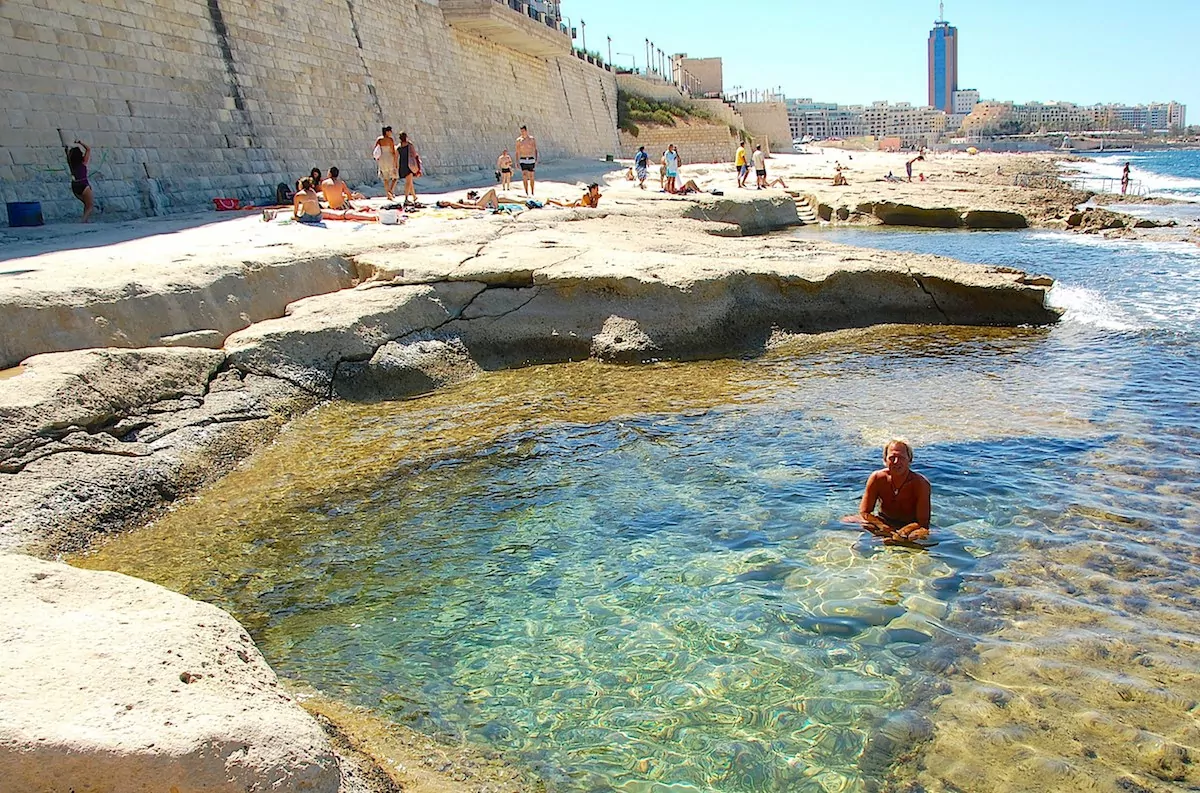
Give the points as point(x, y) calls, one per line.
point(283, 193)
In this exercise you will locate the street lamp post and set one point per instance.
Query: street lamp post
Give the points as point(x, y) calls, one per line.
point(583, 33)
point(610, 50)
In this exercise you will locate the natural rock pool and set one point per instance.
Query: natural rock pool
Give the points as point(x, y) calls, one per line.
point(636, 578)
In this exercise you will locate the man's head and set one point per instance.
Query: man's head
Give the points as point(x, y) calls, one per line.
point(758, 148)
point(524, 130)
point(404, 137)
point(333, 172)
point(387, 132)
point(641, 148)
point(594, 188)
point(898, 454)
point(306, 183)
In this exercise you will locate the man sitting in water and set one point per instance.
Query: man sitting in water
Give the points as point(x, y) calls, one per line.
point(902, 495)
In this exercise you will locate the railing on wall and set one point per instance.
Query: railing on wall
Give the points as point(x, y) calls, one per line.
point(547, 12)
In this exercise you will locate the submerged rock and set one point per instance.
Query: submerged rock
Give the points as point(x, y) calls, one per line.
point(115, 684)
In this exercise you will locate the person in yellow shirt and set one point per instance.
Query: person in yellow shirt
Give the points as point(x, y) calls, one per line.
point(743, 168)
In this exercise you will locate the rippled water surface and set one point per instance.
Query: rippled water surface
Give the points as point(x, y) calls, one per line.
point(637, 579)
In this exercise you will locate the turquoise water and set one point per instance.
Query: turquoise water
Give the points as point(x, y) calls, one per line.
point(637, 579)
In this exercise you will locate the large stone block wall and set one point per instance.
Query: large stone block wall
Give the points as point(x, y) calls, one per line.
point(649, 89)
point(186, 100)
point(767, 120)
point(696, 142)
point(718, 109)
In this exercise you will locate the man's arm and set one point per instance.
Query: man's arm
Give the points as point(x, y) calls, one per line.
point(919, 528)
point(296, 205)
point(866, 507)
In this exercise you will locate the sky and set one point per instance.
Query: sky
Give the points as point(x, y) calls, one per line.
point(859, 51)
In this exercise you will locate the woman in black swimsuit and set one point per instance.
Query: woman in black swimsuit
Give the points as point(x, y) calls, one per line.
point(410, 166)
point(77, 160)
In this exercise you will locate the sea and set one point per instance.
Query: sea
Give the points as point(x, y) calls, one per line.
point(640, 579)
point(1173, 173)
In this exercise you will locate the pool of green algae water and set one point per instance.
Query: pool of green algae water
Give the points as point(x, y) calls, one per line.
point(637, 579)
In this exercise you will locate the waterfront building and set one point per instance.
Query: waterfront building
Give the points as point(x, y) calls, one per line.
point(1011, 118)
point(943, 65)
point(964, 101)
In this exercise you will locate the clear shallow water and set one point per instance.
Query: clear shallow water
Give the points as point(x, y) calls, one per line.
point(636, 579)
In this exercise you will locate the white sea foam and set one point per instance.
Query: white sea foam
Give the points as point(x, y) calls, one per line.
point(1155, 184)
point(1088, 307)
point(1175, 248)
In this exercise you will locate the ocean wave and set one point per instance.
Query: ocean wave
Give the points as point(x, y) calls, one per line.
point(1172, 248)
point(1154, 182)
point(1088, 307)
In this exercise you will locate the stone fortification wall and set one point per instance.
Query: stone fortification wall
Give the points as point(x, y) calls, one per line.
point(649, 89)
point(769, 120)
point(720, 111)
point(185, 100)
point(696, 142)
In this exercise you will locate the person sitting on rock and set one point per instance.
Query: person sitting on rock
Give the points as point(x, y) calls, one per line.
point(839, 178)
point(306, 206)
point(336, 192)
point(314, 175)
point(590, 199)
point(902, 494)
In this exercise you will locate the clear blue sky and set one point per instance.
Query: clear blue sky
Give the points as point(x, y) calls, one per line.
point(854, 51)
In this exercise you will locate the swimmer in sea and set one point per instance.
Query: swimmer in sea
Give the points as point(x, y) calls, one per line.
point(902, 495)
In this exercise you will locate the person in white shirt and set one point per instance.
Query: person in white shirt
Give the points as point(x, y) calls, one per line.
point(760, 167)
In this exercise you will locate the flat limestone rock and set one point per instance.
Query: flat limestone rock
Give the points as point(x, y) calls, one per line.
point(115, 685)
point(86, 388)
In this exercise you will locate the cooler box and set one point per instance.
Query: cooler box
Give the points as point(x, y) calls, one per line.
point(25, 213)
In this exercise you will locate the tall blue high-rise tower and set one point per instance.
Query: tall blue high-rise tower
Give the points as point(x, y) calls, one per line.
point(943, 64)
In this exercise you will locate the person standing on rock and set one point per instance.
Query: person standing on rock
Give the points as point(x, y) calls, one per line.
point(671, 162)
point(760, 168)
point(409, 167)
point(504, 168)
point(1125, 179)
point(908, 165)
point(903, 496)
point(641, 165)
point(77, 163)
point(527, 157)
point(389, 162)
point(743, 168)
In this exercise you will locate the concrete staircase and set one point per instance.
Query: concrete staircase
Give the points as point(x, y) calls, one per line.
point(805, 208)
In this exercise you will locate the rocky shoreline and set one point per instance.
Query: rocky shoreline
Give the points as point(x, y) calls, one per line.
point(111, 427)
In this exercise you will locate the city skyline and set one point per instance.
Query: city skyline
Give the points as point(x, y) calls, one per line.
point(1018, 51)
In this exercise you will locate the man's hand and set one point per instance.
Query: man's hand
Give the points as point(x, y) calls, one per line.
point(913, 531)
